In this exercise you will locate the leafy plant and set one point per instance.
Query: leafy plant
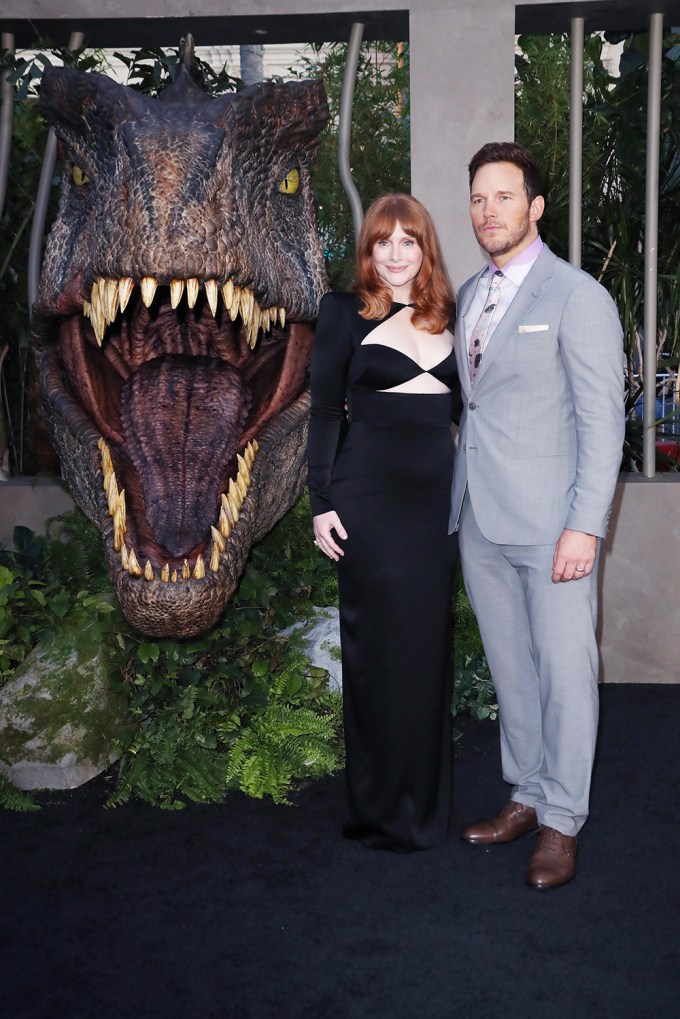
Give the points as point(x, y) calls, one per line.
point(614, 147)
point(380, 141)
point(473, 689)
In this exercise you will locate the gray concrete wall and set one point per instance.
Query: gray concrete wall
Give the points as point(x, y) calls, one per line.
point(640, 583)
point(29, 502)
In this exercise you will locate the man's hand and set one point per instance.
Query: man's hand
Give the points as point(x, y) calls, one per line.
point(574, 555)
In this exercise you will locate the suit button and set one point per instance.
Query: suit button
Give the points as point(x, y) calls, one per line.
point(464, 448)
point(472, 405)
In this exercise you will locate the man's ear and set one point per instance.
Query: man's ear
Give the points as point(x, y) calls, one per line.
point(536, 208)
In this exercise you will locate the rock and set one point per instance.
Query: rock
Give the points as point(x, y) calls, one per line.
point(59, 717)
point(321, 642)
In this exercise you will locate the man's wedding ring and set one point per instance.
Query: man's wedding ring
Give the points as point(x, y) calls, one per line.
point(580, 571)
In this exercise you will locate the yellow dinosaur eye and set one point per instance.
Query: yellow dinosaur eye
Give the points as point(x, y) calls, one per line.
point(290, 183)
point(79, 176)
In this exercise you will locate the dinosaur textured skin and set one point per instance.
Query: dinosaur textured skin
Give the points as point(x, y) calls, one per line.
point(173, 326)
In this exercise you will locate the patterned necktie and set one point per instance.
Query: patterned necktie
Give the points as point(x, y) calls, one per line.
point(481, 329)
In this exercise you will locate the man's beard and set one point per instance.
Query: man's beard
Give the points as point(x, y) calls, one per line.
point(494, 245)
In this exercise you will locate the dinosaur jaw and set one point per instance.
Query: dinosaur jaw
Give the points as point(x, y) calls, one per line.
point(173, 398)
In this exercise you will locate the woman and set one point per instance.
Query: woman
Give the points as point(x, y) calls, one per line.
point(380, 482)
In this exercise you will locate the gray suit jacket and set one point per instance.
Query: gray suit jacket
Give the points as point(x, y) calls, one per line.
point(542, 428)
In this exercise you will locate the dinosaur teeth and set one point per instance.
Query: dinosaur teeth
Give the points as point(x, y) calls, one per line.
point(111, 292)
point(134, 569)
point(176, 291)
point(231, 503)
point(212, 294)
point(148, 287)
point(218, 539)
point(125, 287)
point(224, 523)
point(110, 296)
point(235, 304)
point(215, 559)
point(192, 291)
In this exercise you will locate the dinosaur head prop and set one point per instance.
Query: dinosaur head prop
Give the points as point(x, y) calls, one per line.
point(173, 326)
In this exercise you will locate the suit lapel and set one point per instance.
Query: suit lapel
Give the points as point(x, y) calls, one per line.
point(522, 303)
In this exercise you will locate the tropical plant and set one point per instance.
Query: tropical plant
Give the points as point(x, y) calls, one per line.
point(380, 154)
point(613, 208)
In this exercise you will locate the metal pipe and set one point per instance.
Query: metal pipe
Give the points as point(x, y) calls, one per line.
point(345, 127)
point(649, 357)
point(576, 142)
point(42, 199)
point(6, 118)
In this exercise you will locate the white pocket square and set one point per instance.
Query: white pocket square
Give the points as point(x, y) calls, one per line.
point(534, 329)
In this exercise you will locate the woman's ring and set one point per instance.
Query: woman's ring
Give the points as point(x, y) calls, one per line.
point(580, 571)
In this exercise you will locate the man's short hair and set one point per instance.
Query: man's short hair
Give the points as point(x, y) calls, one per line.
point(510, 152)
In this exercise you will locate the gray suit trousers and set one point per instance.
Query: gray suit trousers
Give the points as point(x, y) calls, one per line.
point(539, 638)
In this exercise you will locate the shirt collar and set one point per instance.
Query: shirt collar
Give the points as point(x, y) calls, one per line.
point(518, 267)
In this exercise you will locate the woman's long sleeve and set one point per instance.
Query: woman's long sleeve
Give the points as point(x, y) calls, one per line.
point(331, 355)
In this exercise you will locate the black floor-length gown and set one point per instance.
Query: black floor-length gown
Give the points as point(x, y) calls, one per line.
point(387, 473)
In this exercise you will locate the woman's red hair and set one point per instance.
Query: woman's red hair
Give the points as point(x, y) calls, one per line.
point(432, 293)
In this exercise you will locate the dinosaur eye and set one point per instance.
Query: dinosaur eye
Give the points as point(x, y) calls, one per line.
point(79, 176)
point(289, 184)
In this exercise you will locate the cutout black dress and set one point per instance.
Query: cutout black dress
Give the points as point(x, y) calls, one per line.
point(385, 467)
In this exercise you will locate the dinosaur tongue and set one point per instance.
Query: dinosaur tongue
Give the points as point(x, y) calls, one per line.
point(183, 417)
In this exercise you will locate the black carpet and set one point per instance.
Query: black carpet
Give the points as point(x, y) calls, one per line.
point(253, 911)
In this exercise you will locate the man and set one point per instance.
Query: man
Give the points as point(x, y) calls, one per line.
point(540, 357)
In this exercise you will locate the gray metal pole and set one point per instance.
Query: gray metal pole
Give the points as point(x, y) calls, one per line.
point(6, 118)
point(345, 127)
point(42, 199)
point(576, 142)
point(651, 242)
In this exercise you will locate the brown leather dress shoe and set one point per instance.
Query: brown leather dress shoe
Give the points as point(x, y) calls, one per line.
point(515, 819)
point(553, 862)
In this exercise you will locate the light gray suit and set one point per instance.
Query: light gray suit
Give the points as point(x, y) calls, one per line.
point(539, 450)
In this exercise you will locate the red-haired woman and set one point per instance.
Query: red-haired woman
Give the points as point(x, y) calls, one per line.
point(380, 482)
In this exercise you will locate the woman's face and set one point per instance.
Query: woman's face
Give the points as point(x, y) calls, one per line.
point(397, 260)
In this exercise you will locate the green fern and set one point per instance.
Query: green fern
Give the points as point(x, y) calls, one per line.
point(12, 798)
point(280, 745)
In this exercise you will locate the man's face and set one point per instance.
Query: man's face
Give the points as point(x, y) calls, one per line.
point(503, 220)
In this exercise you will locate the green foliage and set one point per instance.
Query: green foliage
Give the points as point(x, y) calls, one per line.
point(380, 156)
point(614, 161)
point(191, 703)
point(22, 440)
point(473, 689)
point(614, 147)
point(12, 798)
point(151, 69)
point(41, 587)
point(239, 707)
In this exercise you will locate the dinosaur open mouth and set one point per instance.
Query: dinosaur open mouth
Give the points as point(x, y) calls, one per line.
point(178, 379)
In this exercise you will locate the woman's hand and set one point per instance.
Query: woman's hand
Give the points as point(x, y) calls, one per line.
point(324, 524)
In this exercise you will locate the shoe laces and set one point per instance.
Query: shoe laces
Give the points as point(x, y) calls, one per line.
point(552, 841)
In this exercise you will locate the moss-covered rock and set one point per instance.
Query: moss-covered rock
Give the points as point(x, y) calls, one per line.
point(59, 717)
